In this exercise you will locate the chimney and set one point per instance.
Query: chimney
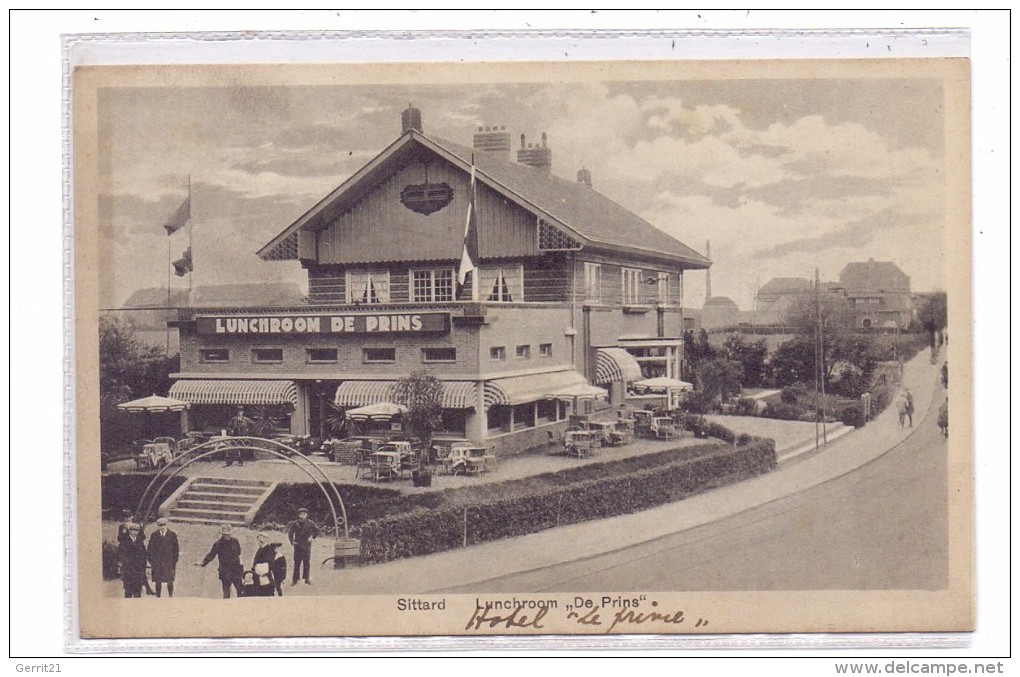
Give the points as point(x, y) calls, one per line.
point(539, 157)
point(493, 140)
point(584, 176)
point(410, 119)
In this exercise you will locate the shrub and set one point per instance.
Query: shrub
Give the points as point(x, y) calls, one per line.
point(514, 513)
point(792, 394)
point(123, 491)
point(782, 411)
point(881, 397)
point(720, 432)
point(745, 406)
point(852, 415)
point(743, 439)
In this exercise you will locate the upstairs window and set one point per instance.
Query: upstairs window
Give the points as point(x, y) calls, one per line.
point(368, 287)
point(497, 353)
point(321, 355)
point(438, 354)
point(432, 286)
point(663, 287)
point(215, 355)
point(379, 354)
point(502, 284)
point(593, 282)
point(545, 350)
point(523, 352)
point(268, 355)
point(631, 285)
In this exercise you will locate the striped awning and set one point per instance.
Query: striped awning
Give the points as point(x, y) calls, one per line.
point(235, 392)
point(521, 389)
point(456, 394)
point(616, 364)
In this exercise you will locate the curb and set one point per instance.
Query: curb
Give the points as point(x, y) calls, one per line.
point(794, 452)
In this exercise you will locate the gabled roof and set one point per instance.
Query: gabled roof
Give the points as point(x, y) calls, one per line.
point(594, 218)
point(782, 286)
point(872, 275)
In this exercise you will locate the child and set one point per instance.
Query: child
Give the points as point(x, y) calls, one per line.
point(278, 568)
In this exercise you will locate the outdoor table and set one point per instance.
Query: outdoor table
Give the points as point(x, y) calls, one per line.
point(155, 454)
point(385, 465)
point(470, 460)
point(602, 431)
point(579, 443)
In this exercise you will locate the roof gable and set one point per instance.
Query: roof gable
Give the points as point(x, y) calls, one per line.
point(590, 217)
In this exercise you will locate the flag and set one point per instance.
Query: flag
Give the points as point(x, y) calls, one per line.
point(183, 266)
point(469, 257)
point(180, 217)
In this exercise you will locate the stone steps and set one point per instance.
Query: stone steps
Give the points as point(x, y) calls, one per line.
point(211, 500)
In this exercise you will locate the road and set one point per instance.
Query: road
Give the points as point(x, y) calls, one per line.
point(881, 526)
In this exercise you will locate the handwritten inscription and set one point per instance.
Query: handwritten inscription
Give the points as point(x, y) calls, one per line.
point(605, 614)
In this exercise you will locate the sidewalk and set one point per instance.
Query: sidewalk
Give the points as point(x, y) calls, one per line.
point(554, 546)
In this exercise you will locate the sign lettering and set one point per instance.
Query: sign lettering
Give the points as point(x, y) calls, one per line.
point(377, 323)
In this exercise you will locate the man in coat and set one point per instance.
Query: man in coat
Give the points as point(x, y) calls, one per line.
point(301, 533)
point(164, 551)
point(239, 426)
point(228, 551)
point(122, 535)
point(132, 556)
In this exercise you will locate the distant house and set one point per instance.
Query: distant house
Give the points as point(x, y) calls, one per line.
point(880, 294)
point(720, 311)
point(774, 299)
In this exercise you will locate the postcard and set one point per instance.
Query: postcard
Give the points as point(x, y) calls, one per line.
point(522, 349)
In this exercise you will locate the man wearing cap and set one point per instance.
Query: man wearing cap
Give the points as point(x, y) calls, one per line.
point(228, 550)
point(132, 556)
point(122, 535)
point(239, 426)
point(164, 552)
point(301, 533)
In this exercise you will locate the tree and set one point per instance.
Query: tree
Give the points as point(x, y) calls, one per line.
point(750, 356)
point(720, 378)
point(697, 351)
point(127, 369)
point(933, 314)
point(422, 394)
point(836, 312)
point(793, 362)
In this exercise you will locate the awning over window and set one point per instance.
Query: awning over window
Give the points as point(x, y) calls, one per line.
point(616, 364)
point(235, 392)
point(456, 394)
point(521, 389)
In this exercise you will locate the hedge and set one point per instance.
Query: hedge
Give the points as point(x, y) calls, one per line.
point(365, 503)
point(121, 492)
point(515, 513)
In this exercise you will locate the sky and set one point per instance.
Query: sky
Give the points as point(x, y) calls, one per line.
point(782, 176)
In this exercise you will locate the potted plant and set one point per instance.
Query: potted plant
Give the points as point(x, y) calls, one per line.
point(422, 393)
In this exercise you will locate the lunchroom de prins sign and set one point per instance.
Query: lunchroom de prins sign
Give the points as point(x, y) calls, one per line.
point(374, 323)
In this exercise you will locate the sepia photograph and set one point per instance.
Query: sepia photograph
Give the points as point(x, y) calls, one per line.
point(584, 348)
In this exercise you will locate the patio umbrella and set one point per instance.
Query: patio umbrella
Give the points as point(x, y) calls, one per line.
point(154, 404)
point(669, 385)
point(382, 411)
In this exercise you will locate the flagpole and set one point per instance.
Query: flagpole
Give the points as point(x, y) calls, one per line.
point(169, 267)
point(191, 228)
point(475, 277)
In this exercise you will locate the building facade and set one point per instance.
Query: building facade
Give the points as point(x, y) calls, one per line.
point(880, 294)
point(573, 290)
